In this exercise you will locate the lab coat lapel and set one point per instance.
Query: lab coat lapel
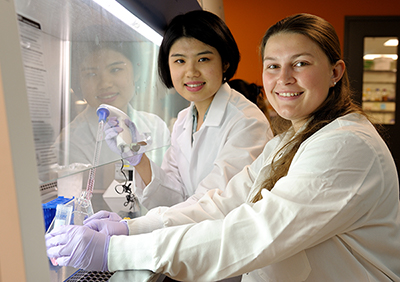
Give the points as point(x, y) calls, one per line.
point(184, 140)
point(214, 118)
point(218, 106)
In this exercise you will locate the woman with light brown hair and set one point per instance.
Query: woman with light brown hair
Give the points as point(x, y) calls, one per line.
point(321, 203)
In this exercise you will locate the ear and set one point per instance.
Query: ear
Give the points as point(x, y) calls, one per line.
point(337, 72)
point(225, 67)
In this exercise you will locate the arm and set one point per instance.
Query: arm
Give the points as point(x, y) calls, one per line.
point(235, 152)
point(318, 190)
point(165, 187)
point(217, 162)
point(144, 169)
point(213, 205)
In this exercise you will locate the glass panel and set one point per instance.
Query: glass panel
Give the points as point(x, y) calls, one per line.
point(78, 55)
point(379, 78)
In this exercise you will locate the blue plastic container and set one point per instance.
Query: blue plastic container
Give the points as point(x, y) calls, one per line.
point(49, 209)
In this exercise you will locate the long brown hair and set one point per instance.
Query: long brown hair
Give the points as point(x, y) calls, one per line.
point(338, 102)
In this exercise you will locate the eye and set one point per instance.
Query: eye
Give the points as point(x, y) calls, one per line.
point(300, 64)
point(203, 59)
point(89, 75)
point(271, 66)
point(179, 61)
point(114, 70)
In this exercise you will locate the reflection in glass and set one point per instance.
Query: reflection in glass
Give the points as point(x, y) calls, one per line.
point(77, 55)
point(379, 78)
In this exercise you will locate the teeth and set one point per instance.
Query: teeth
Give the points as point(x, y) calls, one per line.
point(289, 94)
point(194, 85)
point(105, 97)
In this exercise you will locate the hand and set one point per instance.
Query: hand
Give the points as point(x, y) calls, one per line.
point(79, 247)
point(112, 130)
point(111, 216)
point(108, 223)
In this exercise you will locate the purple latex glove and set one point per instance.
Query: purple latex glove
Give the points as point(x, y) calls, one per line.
point(79, 247)
point(108, 223)
point(111, 216)
point(112, 129)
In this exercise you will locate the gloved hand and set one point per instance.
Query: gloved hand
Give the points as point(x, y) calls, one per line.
point(112, 129)
point(108, 223)
point(79, 247)
point(111, 216)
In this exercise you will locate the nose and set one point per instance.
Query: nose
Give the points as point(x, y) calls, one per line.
point(286, 76)
point(192, 70)
point(105, 80)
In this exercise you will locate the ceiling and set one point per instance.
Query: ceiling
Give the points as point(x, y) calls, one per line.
point(158, 13)
point(374, 45)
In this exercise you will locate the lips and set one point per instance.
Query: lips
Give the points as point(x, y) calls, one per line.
point(107, 97)
point(289, 94)
point(194, 86)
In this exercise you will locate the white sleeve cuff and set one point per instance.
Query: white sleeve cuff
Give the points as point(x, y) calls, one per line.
point(145, 224)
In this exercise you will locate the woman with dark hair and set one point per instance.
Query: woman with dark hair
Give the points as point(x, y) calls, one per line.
point(106, 72)
point(320, 204)
point(197, 56)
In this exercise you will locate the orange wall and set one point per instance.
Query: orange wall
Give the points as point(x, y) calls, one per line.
point(249, 19)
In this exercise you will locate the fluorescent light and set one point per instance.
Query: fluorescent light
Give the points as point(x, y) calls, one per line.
point(131, 20)
point(391, 42)
point(374, 56)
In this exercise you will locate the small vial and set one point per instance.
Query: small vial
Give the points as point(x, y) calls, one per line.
point(368, 95)
point(378, 95)
point(384, 95)
point(63, 215)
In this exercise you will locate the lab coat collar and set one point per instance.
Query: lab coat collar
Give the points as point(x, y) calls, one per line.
point(218, 105)
point(216, 110)
point(214, 117)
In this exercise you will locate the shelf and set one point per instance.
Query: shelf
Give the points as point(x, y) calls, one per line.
point(379, 82)
point(375, 106)
point(381, 71)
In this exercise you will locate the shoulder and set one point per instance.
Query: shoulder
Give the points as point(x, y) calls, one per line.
point(350, 125)
point(352, 133)
point(239, 104)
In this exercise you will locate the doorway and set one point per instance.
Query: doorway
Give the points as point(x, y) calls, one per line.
point(371, 55)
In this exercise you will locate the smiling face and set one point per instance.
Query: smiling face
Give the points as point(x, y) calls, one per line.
point(297, 76)
point(196, 71)
point(107, 77)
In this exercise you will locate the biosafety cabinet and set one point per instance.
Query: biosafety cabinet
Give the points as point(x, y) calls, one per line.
point(59, 60)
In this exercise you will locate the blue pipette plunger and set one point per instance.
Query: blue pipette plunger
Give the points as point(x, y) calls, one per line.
point(102, 113)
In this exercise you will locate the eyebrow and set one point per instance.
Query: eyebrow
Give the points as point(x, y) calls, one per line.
point(109, 65)
point(293, 57)
point(198, 54)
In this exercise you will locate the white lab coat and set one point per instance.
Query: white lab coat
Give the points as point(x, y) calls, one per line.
point(233, 134)
point(82, 135)
point(334, 217)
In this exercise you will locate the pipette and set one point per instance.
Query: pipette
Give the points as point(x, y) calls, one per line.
point(84, 207)
point(102, 113)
